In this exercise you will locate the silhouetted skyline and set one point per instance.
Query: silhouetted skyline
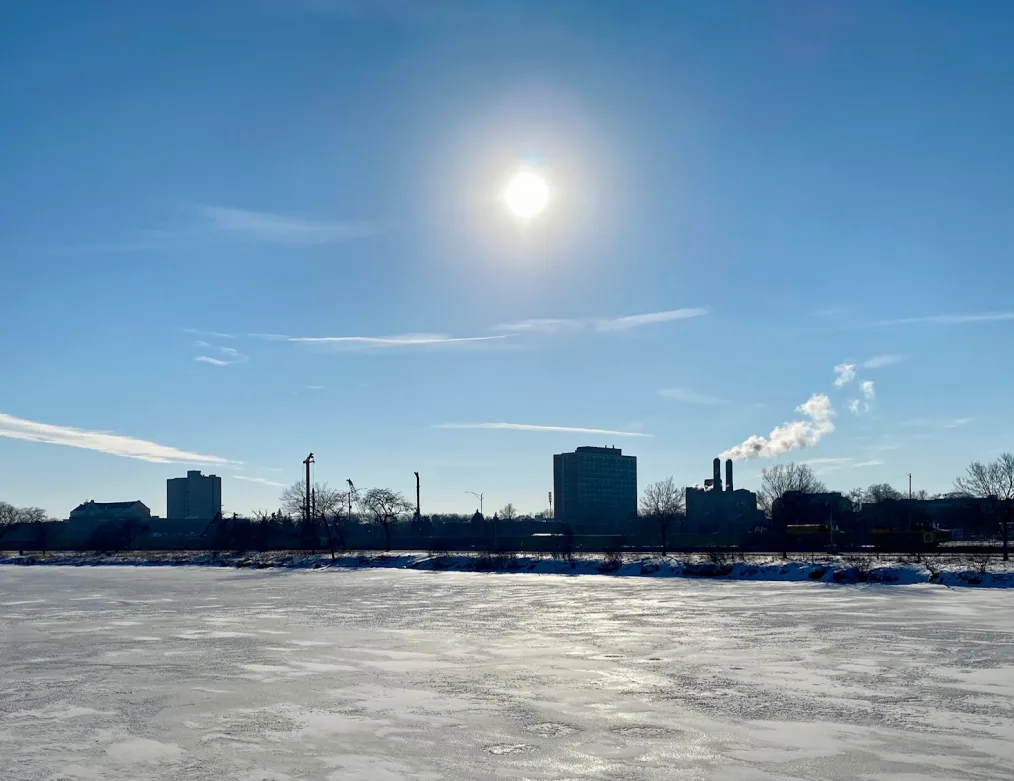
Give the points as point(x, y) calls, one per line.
point(236, 232)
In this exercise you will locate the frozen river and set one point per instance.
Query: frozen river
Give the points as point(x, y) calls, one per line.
point(143, 673)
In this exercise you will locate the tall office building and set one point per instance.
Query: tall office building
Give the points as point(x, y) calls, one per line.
point(594, 485)
point(193, 496)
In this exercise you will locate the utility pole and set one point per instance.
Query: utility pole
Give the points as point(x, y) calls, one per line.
point(306, 496)
point(909, 485)
point(418, 510)
point(352, 489)
point(551, 516)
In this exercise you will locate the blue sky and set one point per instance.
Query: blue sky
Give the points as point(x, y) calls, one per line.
point(202, 202)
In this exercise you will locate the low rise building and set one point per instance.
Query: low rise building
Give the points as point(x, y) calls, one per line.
point(102, 512)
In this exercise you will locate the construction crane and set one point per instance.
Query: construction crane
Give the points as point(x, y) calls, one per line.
point(353, 494)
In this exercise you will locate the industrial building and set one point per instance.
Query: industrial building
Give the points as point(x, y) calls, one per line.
point(712, 510)
point(193, 496)
point(594, 485)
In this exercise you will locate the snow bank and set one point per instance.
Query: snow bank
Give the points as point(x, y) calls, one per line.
point(830, 569)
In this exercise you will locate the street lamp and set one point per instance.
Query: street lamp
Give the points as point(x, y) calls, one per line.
point(479, 497)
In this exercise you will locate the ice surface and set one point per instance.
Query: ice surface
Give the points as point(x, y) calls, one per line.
point(134, 673)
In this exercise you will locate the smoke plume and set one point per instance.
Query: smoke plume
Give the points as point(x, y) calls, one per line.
point(794, 435)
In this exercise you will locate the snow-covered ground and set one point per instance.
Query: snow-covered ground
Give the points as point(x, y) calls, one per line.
point(944, 569)
point(135, 673)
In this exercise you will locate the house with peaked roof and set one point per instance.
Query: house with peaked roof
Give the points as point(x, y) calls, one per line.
point(92, 511)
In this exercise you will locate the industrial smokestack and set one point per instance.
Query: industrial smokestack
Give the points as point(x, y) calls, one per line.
point(728, 474)
point(717, 474)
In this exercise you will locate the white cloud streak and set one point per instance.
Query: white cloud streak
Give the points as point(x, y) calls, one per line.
point(879, 361)
point(533, 427)
point(636, 321)
point(101, 441)
point(690, 397)
point(793, 435)
point(988, 317)
point(825, 465)
point(404, 340)
point(556, 325)
point(261, 480)
point(543, 325)
point(866, 388)
point(844, 373)
point(277, 228)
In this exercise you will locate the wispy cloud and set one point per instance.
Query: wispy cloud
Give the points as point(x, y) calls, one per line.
point(825, 465)
point(279, 228)
point(209, 334)
point(313, 387)
point(533, 427)
point(988, 317)
point(404, 340)
point(210, 224)
point(879, 361)
point(636, 321)
point(227, 356)
point(101, 441)
point(555, 325)
point(690, 397)
point(844, 373)
point(827, 461)
point(261, 480)
point(793, 435)
point(861, 406)
point(928, 423)
point(543, 325)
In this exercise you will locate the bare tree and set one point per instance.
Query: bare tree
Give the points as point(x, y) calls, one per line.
point(995, 481)
point(384, 506)
point(334, 513)
point(856, 496)
point(782, 478)
point(664, 502)
point(508, 512)
point(323, 504)
point(28, 515)
point(293, 498)
point(10, 518)
point(878, 492)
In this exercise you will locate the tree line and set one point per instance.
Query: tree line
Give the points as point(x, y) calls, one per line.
point(12, 518)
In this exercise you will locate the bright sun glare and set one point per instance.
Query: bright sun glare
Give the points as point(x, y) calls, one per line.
point(526, 195)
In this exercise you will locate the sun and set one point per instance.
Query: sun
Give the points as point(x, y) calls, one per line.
point(526, 194)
